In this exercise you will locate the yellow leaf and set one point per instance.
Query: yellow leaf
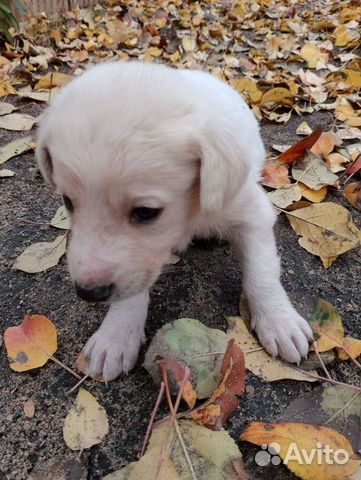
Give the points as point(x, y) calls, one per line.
point(313, 55)
point(258, 361)
point(248, 87)
point(326, 323)
point(314, 196)
point(51, 80)
point(6, 89)
point(335, 162)
point(326, 229)
point(277, 96)
point(344, 36)
point(304, 129)
point(41, 256)
point(345, 113)
point(86, 424)
point(311, 452)
point(30, 344)
point(207, 415)
point(17, 147)
point(61, 219)
point(56, 36)
point(353, 347)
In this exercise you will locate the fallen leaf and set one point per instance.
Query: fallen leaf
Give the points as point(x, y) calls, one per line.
point(284, 197)
point(194, 345)
point(6, 108)
point(354, 167)
point(353, 347)
point(346, 113)
point(41, 96)
point(247, 87)
point(302, 448)
point(277, 96)
point(297, 151)
point(31, 344)
point(324, 145)
point(226, 395)
point(51, 80)
point(86, 423)
point(314, 196)
point(17, 122)
point(6, 89)
point(41, 256)
point(352, 193)
point(178, 372)
point(258, 361)
point(345, 36)
point(61, 219)
point(304, 129)
point(275, 176)
point(213, 454)
point(313, 172)
point(336, 162)
point(313, 55)
point(327, 325)
point(17, 147)
point(326, 229)
point(5, 173)
point(29, 408)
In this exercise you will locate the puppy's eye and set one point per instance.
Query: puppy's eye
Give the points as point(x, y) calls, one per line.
point(144, 214)
point(68, 203)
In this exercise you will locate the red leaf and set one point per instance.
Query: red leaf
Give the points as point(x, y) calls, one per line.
point(224, 400)
point(354, 167)
point(298, 150)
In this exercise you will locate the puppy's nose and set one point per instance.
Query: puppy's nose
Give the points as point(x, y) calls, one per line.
point(96, 294)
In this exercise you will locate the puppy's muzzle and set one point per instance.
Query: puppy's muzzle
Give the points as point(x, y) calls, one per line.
point(95, 294)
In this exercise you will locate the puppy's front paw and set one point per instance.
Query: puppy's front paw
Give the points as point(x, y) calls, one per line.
point(284, 333)
point(111, 352)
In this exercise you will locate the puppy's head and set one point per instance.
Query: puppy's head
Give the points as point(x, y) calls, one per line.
point(127, 152)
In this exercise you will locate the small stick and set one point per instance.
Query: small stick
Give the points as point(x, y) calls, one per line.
point(152, 418)
point(173, 410)
point(61, 364)
point(335, 415)
point(335, 382)
point(321, 361)
point(77, 385)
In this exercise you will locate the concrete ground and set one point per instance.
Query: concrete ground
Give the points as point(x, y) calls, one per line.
point(205, 284)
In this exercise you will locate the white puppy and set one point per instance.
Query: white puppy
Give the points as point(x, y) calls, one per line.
point(146, 157)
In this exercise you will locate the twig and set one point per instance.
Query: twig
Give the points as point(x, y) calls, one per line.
point(173, 419)
point(335, 382)
point(253, 350)
point(321, 361)
point(61, 364)
point(335, 415)
point(77, 385)
point(154, 412)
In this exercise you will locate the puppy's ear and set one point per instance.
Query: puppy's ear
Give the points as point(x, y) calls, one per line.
point(223, 169)
point(45, 162)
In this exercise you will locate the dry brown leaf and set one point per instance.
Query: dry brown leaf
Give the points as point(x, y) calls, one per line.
point(352, 193)
point(275, 176)
point(313, 172)
point(277, 96)
point(326, 229)
point(284, 197)
point(258, 361)
point(29, 408)
point(17, 121)
point(41, 256)
point(298, 150)
point(324, 145)
point(314, 56)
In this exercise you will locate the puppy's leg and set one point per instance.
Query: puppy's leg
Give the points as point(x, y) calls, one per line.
point(114, 347)
point(280, 329)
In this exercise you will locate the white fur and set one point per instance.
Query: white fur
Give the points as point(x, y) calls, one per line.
point(127, 135)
